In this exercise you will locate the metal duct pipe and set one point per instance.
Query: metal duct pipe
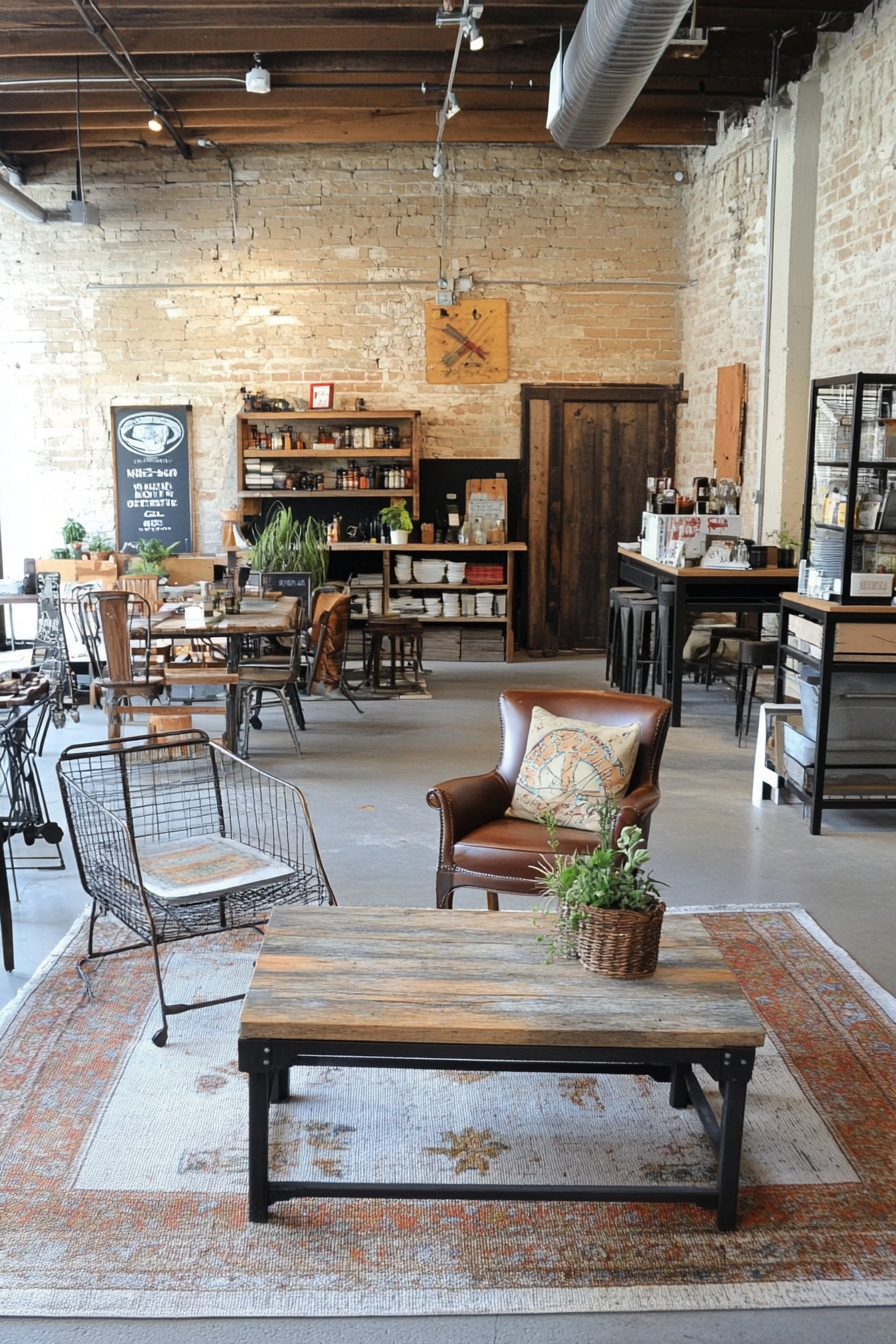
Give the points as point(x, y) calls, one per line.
point(22, 204)
point(612, 53)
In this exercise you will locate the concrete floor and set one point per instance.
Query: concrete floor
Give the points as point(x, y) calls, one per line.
point(365, 779)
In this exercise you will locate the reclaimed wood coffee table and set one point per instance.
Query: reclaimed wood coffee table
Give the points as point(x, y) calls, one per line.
point(458, 989)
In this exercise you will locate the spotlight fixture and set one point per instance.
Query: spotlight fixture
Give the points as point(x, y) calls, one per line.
point(453, 105)
point(258, 80)
point(438, 164)
point(154, 123)
point(473, 36)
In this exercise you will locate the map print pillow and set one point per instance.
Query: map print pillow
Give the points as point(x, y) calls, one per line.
point(570, 766)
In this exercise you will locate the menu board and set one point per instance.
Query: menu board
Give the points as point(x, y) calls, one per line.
point(153, 475)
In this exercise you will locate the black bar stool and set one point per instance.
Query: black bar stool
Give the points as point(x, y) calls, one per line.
point(635, 634)
point(751, 656)
point(613, 665)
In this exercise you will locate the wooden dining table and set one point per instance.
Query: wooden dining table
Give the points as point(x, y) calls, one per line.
point(257, 617)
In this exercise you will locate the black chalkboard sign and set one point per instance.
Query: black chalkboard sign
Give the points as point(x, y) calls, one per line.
point(153, 475)
point(290, 585)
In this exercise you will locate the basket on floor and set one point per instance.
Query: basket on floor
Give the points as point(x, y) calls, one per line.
point(624, 944)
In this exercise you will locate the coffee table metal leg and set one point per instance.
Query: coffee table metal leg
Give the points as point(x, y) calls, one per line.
point(259, 1099)
point(731, 1134)
point(679, 1096)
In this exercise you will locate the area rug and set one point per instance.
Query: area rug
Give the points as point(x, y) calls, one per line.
point(123, 1167)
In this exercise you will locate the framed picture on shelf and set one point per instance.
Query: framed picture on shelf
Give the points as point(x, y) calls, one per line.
point(321, 396)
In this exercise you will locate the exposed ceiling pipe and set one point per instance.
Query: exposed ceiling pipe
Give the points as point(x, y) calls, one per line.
point(22, 204)
point(612, 53)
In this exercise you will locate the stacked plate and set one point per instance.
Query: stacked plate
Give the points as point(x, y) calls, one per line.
point(429, 571)
point(484, 604)
point(456, 571)
point(451, 604)
point(433, 606)
point(375, 601)
point(403, 568)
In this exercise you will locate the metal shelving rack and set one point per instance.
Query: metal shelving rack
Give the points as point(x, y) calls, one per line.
point(849, 514)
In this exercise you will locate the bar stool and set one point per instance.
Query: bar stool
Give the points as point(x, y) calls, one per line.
point(662, 668)
point(405, 636)
point(635, 634)
point(613, 665)
point(751, 655)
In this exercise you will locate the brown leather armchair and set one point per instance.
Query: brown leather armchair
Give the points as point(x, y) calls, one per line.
point(481, 847)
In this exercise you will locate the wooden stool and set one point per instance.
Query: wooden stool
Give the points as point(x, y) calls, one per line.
point(405, 637)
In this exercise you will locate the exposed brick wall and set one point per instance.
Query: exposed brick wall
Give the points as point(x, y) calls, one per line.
point(854, 324)
point(528, 222)
point(721, 313)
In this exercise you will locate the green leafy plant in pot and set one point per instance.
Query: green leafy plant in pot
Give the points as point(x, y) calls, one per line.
point(398, 520)
point(100, 547)
point(788, 544)
point(73, 534)
point(152, 557)
point(607, 904)
point(286, 546)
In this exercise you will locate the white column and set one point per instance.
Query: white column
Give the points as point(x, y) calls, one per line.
point(790, 333)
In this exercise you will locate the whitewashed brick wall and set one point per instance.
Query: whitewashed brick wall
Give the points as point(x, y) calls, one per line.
point(303, 298)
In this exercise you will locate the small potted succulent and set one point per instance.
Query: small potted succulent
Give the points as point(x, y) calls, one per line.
point(399, 522)
point(607, 904)
point(73, 534)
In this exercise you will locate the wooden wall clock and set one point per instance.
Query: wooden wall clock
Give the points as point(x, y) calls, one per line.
point(467, 342)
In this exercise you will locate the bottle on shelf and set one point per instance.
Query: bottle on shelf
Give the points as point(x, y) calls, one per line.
point(334, 529)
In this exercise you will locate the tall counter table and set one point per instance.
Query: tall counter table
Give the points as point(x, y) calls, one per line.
point(830, 640)
point(698, 589)
point(471, 554)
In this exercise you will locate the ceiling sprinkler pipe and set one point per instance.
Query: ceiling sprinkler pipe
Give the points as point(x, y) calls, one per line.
point(612, 53)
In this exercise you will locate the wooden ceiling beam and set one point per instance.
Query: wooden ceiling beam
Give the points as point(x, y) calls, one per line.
point(396, 128)
point(158, 40)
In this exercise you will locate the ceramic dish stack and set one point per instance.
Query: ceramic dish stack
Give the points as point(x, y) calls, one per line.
point(451, 604)
point(433, 606)
point(484, 604)
point(456, 571)
point(403, 568)
point(375, 601)
point(429, 571)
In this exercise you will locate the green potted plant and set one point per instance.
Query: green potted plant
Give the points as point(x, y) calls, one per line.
point(286, 546)
point(152, 557)
point(99, 547)
point(607, 904)
point(788, 544)
point(399, 522)
point(73, 534)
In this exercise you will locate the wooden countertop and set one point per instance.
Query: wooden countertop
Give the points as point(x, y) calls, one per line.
point(877, 609)
point(479, 978)
point(722, 574)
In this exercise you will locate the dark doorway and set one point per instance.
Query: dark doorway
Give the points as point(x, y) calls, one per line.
point(586, 456)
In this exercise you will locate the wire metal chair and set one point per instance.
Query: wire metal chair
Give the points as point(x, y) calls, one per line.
point(23, 807)
point(127, 801)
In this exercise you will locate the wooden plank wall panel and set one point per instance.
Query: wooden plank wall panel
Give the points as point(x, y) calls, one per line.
point(585, 444)
point(731, 410)
point(537, 559)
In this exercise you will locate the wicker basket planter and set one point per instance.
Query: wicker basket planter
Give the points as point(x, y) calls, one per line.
point(624, 944)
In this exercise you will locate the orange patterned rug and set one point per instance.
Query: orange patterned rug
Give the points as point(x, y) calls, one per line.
point(122, 1166)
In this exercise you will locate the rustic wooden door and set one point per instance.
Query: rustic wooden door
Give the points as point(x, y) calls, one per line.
point(587, 453)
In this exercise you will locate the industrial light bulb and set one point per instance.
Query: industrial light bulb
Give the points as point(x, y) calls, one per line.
point(474, 37)
point(154, 124)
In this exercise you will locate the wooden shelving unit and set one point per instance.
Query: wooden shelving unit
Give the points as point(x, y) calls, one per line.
point(306, 459)
point(369, 555)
